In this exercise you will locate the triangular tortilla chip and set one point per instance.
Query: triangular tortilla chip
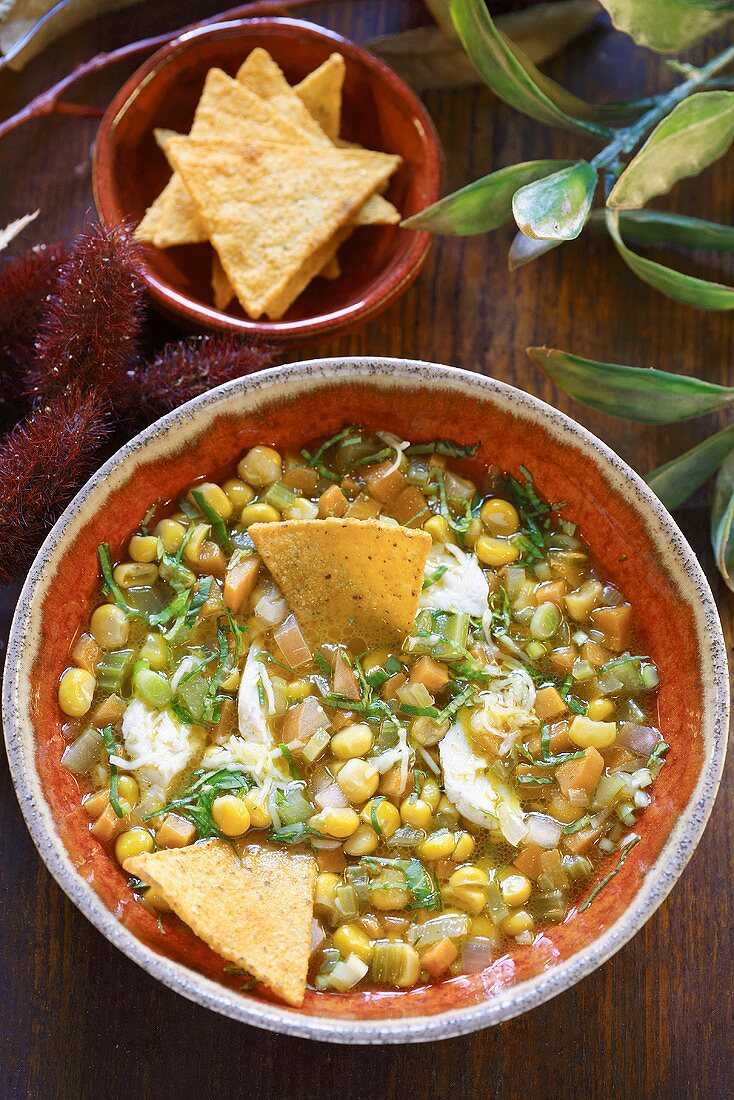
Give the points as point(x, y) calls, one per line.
point(222, 288)
point(255, 911)
point(346, 580)
point(321, 94)
point(269, 207)
point(229, 112)
point(264, 77)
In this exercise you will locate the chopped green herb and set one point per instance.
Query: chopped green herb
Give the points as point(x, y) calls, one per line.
point(220, 534)
point(499, 605)
point(417, 879)
point(444, 447)
point(137, 885)
point(373, 813)
point(108, 736)
point(297, 833)
point(148, 518)
point(623, 853)
point(658, 754)
point(435, 577)
point(196, 802)
point(290, 761)
point(110, 586)
point(577, 825)
point(534, 515)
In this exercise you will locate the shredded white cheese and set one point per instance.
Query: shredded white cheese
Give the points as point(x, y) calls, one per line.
point(462, 587)
point(165, 746)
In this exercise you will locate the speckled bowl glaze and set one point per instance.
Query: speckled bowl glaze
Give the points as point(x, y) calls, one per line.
point(380, 111)
point(633, 537)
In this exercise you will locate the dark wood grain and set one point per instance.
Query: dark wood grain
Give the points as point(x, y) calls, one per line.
point(79, 1020)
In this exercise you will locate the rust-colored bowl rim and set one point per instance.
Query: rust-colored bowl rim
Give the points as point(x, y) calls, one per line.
point(248, 399)
point(192, 313)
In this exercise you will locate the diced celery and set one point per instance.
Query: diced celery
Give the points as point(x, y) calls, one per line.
point(495, 905)
point(192, 692)
point(406, 837)
point(85, 752)
point(535, 650)
point(551, 905)
point(415, 695)
point(545, 621)
point(315, 746)
point(650, 676)
point(280, 496)
point(346, 901)
point(113, 669)
point(609, 790)
point(346, 974)
point(292, 806)
point(152, 688)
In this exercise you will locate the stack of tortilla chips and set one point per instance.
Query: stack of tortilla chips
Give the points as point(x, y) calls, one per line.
point(264, 177)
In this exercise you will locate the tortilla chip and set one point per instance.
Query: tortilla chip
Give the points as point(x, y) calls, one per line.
point(224, 294)
point(321, 94)
point(255, 911)
point(262, 76)
point(346, 580)
point(268, 207)
point(228, 111)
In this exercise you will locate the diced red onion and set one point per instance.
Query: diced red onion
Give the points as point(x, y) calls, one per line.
point(317, 935)
point(331, 798)
point(641, 739)
point(542, 830)
point(476, 955)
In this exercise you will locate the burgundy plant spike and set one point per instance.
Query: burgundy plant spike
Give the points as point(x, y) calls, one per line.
point(43, 461)
point(25, 284)
point(90, 331)
point(186, 369)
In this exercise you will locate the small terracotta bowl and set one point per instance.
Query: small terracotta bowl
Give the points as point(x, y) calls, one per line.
point(380, 112)
point(637, 544)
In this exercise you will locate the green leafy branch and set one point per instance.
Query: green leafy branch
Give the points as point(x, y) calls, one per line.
point(649, 147)
point(657, 397)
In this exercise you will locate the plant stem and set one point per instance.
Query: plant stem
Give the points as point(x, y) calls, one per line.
point(629, 136)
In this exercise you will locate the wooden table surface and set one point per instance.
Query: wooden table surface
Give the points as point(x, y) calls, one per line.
point(77, 1019)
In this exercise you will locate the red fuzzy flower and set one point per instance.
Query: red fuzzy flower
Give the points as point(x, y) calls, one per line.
point(184, 370)
point(89, 333)
point(43, 461)
point(25, 284)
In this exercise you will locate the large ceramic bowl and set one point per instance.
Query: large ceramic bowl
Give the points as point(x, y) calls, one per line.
point(633, 537)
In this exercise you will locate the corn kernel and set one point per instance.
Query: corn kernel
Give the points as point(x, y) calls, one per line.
point(127, 788)
point(500, 517)
point(362, 842)
point(431, 793)
point(231, 815)
point(76, 690)
point(515, 888)
point(353, 741)
point(261, 466)
point(439, 530)
point(384, 814)
point(469, 876)
point(483, 926)
point(587, 734)
point(358, 780)
point(155, 651)
point(350, 938)
point(215, 496)
point(239, 493)
point(297, 690)
point(324, 902)
point(259, 512)
point(599, 710)
point(495, 552)
point(301, 508)
point(195, 544)
point(389, 891)
point(438, 845)
point(259, 814)
point(416, 812)
point(473, 533)
point(518, 922)
point(133, 843)
point(464, 848)
point(143, 548)
point(154, 898)
point(232, 681)
point(110, 626)
point(339, 822)
point(171, 533)
point(446, 808)
point(133, 574)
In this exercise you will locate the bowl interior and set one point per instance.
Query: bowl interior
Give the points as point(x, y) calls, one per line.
point(635, 542)
point(379, 112)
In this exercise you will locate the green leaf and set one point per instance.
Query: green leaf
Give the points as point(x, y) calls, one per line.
point(557, 206)
point(695, 134)
point(722, 520)
point(678, 479)
point(514, 78)
point(526, 249)
point(667, 26)
point(662, 227)
point(699, 293)
point(483, 205)
point(642, 394)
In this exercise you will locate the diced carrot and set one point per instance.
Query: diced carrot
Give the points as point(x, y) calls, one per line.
point(303, 478)
point(108, 825)
point(617, 756)
point(384, 485)
point(615, 624)
point(292, 643)
point(363, 507)
point(432, 674)
point(390, 688)
point(345, 680)
point(331, 859)
point(409, 507)
point(109, 712)
point(549, 703)
point(332, 502)
point(95, 803)
point(211, 560)
point(240, 583)
point(595, 654)
point(561, 660)
point(565, 811)
point(85, 653)
point(581, 775)
point(301, 721)
point(443, 869)
point(175, 832)
point(559, 741)
point(551, 592)
point(579, 843)
point(438, 958)
point(528, 861)
point(390, 784)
